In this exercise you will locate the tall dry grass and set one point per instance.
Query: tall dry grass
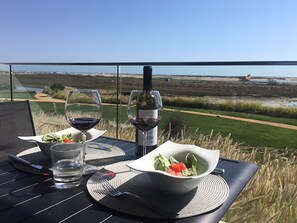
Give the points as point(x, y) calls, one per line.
point(271, 196)
point(235, 105)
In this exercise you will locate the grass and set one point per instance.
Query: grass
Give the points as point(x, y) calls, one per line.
point(109, 112)
point(289, 121)
point(21, 95)
point(249, 134)
point(244, 106)
point(271, 196)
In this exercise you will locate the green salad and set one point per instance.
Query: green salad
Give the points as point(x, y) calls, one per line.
point(55, 138)
point(189, 167)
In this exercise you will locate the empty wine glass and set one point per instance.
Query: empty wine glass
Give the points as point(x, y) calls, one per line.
point(83, 111)
point(144, 111)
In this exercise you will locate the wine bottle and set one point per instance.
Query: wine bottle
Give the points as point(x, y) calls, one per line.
point(146, 108)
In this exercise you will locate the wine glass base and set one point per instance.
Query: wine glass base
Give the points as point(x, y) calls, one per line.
point(89, 169)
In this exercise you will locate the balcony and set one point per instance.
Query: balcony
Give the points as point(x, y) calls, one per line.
point(246, 109)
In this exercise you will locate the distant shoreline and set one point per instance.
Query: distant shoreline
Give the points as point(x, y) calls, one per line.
point(154, 75)
point(174, 85)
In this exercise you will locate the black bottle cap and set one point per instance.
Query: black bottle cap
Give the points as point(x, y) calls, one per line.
point(147, 77)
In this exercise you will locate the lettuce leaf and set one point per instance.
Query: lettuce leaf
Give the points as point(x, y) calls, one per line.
point(162, 163)
point(192, 164)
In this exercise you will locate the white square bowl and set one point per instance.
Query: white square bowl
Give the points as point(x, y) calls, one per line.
point(76, 136)
point(169, 183)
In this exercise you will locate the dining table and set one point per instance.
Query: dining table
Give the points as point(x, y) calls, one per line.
point(29, 197)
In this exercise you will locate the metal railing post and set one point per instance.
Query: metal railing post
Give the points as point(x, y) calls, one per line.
point(10, 82)
point(118, 91)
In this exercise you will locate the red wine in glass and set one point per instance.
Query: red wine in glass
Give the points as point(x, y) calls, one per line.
point(145, 124)
point(83, 124)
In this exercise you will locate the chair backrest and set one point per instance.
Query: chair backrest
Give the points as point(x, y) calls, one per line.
point(15, 120)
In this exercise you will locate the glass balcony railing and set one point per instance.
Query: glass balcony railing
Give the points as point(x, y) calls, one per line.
point(255, 102)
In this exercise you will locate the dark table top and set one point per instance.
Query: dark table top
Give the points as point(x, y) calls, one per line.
point(28, 197)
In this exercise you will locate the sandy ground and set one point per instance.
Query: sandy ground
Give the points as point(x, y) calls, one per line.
point(40, 97)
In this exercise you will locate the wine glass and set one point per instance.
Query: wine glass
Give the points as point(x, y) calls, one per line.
point(83, 111)
point(144, 111)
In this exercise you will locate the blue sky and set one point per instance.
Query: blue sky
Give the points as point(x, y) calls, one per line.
point(147, 30)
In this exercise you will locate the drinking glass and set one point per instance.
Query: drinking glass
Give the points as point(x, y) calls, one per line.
point(144, 111)
point(83, 111)
point(67, 164)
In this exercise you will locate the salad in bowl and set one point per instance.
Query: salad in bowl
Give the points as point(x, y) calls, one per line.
point(64, 136)
point(177, 168)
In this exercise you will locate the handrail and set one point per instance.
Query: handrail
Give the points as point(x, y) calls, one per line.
point(206, 63)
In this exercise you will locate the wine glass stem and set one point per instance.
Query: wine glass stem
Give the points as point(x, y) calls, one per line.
point(144, 142)
point(84, 139)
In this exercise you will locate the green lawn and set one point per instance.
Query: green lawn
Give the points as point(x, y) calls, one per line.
point(289, 121)
point(51, 108)
point(247, 133)
point(21, 95)
point(109, 112)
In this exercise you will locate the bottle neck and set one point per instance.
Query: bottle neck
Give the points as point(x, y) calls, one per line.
point(147, 78)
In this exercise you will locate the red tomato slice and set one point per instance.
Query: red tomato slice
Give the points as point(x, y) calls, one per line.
point(182, 166)
point(175, 167)
point(178, 167)
point(67, 140)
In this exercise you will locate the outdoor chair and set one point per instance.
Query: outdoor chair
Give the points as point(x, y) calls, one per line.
point(15, 120)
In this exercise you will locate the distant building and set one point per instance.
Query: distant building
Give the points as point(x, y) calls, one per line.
point(245, 78)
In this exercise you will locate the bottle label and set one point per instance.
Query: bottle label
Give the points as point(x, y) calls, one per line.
point(152, 135)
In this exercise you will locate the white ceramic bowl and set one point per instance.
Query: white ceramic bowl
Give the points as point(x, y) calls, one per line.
point(169, 183)
point(76, 135)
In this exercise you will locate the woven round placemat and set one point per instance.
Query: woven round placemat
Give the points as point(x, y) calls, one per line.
point(94, 156)
point(210, 194)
